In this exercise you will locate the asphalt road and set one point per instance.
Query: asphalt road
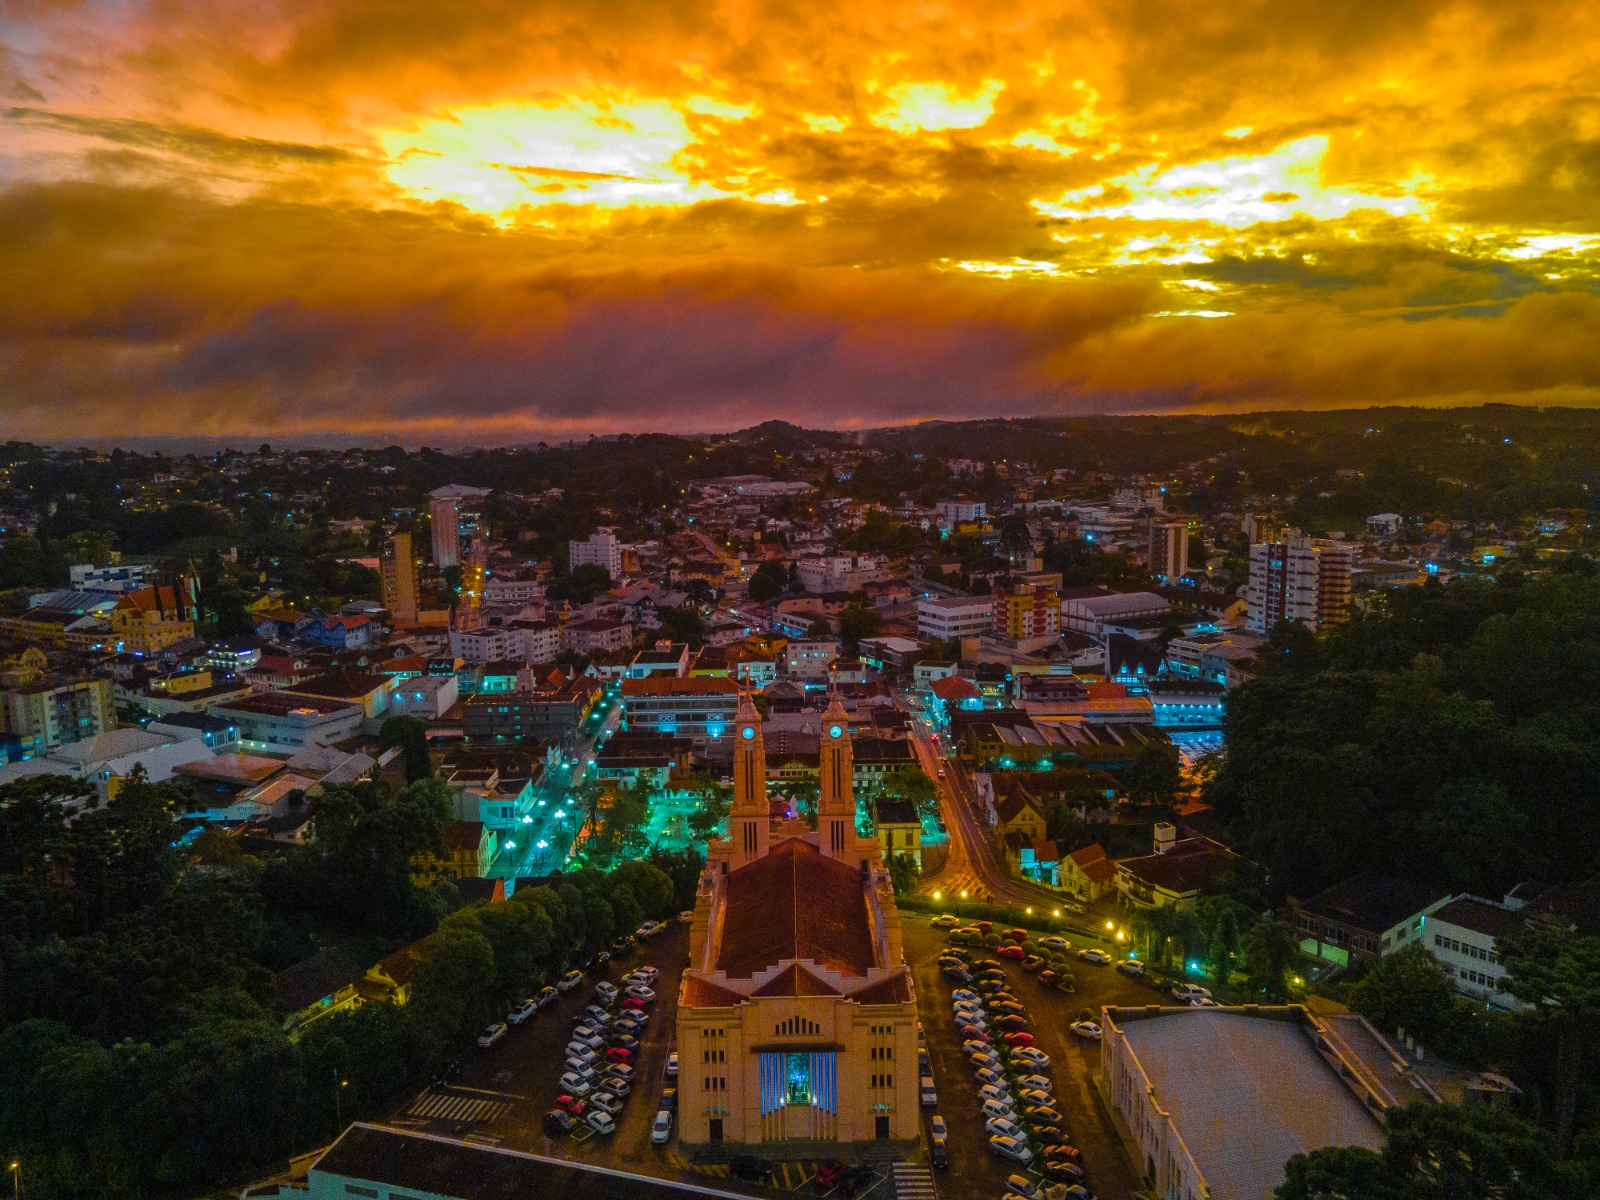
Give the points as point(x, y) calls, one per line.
point(974, 1171)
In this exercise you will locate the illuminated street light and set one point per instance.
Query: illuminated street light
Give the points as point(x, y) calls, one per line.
point(963, 893)
point(1110, 925)
point(1120, 935)
point(1056, 913)
point(1030, 911)
point(938, 895)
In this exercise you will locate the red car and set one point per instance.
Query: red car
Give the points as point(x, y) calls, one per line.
point(829, 1173)
point(1010, 952)
point(634, 1003)
point(619, 1054)
point(972, 1033)
point(1071, 1153)
point(571, 1104)
point(1020, 1038)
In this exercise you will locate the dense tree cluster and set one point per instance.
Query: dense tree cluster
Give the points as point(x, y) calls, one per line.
point(1462, 719)
point(144, 1050)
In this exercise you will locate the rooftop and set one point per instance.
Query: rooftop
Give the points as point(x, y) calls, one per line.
point(1246, 1092)
point(1372, 902)
point(795, 903)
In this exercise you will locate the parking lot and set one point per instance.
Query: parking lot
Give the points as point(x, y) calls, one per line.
point(501, 1094)
point(974, 1171)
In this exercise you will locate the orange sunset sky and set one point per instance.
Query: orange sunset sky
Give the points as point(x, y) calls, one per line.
point(516, 218)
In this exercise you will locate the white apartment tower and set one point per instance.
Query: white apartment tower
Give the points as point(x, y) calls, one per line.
point(1298, 579)
point(603, 550)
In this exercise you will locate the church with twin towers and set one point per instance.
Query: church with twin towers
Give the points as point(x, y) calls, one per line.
point(796, 1015)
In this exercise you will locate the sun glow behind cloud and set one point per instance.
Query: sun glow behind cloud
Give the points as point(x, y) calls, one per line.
point(570, 213)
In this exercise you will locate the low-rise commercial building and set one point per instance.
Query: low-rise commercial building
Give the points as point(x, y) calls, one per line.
point(280, 719)
point(697, 708)
point(948, 617)
point(1370, 915)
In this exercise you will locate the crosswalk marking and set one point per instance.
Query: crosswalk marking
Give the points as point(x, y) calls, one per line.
point(463, 1110)
point(913, 1181)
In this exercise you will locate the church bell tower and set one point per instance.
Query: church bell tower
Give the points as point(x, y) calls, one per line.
point(751, 823)
point(836, 802)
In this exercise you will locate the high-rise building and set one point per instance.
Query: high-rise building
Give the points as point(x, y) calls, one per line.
point(56, 712)
point(797, 1017)
point(1298, 579)
point(457, 514)
point(1027, 611)
point(398, 566)
point(1169, 549)
point(603, 549)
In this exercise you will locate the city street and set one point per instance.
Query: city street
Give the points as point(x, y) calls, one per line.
point(542, 843)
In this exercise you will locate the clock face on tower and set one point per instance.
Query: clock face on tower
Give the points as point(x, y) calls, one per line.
point(748, 733)
point(834, 731)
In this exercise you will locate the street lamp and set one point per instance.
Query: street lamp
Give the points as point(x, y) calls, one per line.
point(338, 1101)
point(16, 1180)
point(963, 893)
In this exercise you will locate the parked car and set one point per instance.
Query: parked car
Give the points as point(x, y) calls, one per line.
point(686, 916)
point(1048, 978)
point(606, 1102)
point(829, 1173)
point(569, 981)
point(1020, 1038)
point(669, 1099)
point(925, 1088)
point(597, 1016)
point(522, 1012)
point(1058, 1170)
point(672, 1065)
point(990, 1109)
point(994, 1091)
point(1037, 1097)
point(1131, 967)
point(1067, 1153)
point(557, 1122)
point(988, 1075)
point(1021, 1185)
point(648, 930)
point(939, 1152)
point(576, 1084)
point(1086, 1029)
point(1005, 1006)
point(606, 991)
point(1001, 1127)
point(1016, 935)
point(601, 1122)
point(1098, 957)
point(1011, 1022)
point(1012, 1148)
point(1188, 993)
point(945, 921)
point(618, 1087)
point(964, 994)
point(661, 1128)
point(956, 973)
point(625, 1041)
point(984, 926)
point(1032, 963)
point(1011, 952)
point(619, 1071)
point(1036, 1082)
point(1042, 1114)
point(619, 1054)
point(638, 991)
point(622, 946)
point(1059, 944)
point(492, 1034)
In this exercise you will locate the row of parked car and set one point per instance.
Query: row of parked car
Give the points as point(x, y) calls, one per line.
point(601, 1063)
point(1015, 1094)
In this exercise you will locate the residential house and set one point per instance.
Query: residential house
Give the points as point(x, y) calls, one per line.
point(1175, 874)
point(899, 828)
point(315, 987)
point(1087, 873)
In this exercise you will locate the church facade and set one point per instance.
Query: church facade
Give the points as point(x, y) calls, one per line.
point(796, 1015)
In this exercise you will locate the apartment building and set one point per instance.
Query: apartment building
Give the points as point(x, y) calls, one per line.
point(946, 617)
point(1300, 579)
point(398, 567)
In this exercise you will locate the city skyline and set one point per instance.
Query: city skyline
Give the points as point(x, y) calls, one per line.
point(539, 222)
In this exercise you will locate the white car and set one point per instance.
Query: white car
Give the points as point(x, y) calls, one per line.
point(606, 991)
point(600, 1121)
point(639, 992)
point(991, 1109)
point(1132, 968)
point(1036, 1060)
point(1087, 1030)
point(686, 916)
point(1012, 1148)
point(1037, 1097)
point(569, 981)
point(1204, 1002)
point(620, 1071)
point(1033, 1083)
point(647, 930)
point(606, 1102)
point(576, 1085)
point(997, 1092)
point(1188, 993)
point(672, 1065)
point(522, 1012)
point(661, 1128)
point(1055, 943)
point(1098, 957)
point(961, 994)
point(492, 1034)
point(1021, 1185)
point(1001, 1127)
point(577, 1050)
point(644, 975)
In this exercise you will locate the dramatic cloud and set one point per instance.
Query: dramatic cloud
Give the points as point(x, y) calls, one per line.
point(520, 217)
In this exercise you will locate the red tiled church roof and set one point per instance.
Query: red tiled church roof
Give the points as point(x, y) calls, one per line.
point(795, 980)
point(795, 903)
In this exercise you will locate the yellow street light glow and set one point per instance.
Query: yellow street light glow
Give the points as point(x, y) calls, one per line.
point(1030, 912)
point(963, 893)
point(1056, 913)
point(938, 895)
point(1119, 935)
point(1110, 925)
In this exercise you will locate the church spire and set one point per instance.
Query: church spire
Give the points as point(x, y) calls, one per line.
point(751, 816)
point(836, 802)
